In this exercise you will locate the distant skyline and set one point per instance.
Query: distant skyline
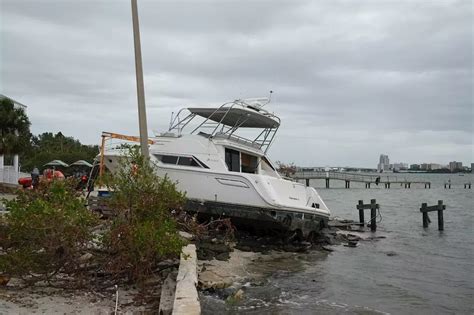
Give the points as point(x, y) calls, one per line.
point(351, 80)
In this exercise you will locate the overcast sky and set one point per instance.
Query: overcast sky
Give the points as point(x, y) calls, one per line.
point(351, 79)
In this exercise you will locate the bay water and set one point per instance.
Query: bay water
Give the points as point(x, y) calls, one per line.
point(411, 271)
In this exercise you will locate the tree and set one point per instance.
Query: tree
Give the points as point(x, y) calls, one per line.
point(14, 128)
point(286, 169)
point(48, 146)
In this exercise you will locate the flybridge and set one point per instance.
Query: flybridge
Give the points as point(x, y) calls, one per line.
point(224, 121)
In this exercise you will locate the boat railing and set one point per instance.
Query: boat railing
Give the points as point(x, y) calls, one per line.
point(221, 130)
point(236, 138)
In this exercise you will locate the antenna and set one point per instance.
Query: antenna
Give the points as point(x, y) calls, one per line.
point(269, 98)
point(171, 120)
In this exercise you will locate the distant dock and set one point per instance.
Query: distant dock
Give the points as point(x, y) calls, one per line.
point(385, 180)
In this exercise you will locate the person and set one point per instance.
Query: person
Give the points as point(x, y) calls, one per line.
point(377, 180)
point(35, 177)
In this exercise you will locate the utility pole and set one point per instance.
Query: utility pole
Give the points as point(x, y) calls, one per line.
point(140, 89)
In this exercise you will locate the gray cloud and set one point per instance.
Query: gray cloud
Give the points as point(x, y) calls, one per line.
point(351, 79)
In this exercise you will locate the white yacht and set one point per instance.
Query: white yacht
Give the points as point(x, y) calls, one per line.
point(225, 172)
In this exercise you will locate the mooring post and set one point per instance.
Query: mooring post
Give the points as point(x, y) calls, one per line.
point(327, 182)
point(361, 212)
point(348, 184)
point(409, 185)
point(307, 182)
point(426, 219)
point(440, 215)
point(373, 215)
point(424, 214)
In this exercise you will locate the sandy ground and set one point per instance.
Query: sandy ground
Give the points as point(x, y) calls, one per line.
point(49, 301)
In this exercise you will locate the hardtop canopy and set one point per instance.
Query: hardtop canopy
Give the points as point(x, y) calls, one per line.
point(243, 117)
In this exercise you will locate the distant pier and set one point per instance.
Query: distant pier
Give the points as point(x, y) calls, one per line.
point(385, 180)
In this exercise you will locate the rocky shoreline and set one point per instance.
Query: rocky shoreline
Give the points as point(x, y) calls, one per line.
point(223, 266)
point(226, 268)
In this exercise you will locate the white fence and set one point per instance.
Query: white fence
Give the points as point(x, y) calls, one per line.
point(9, 175)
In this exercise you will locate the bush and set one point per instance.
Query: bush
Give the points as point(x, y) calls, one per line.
point(144, 232)
point(45, 232)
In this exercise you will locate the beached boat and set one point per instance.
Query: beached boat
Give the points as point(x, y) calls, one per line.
point(226, 172)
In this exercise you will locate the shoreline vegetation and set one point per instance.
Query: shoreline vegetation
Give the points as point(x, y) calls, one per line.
point(54, 251)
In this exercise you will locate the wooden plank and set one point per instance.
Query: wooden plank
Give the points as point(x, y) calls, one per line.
point(369, 206)
point(433, 208)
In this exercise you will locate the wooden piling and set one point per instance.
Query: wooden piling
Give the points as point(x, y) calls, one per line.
point(327, 182)
point(439, 208)
point(424, 214)
point(307, 182)
point(440, 215)
point(348, 184)
point(361, 212)
point(373, 215)
point(373, 206)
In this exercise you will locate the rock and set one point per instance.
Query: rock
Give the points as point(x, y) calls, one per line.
point(351, 244)
point(167, 295)
point(4, 279)
point(236, 297)
point(244, 248)
point(223, 256)
point(85, 257)
point(186, 235)
point(239, 294)
point(210, 280)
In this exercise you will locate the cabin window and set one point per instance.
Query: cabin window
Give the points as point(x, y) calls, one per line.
point(187, 161)
point(168, 159)
point(180, 160)
point(249, 163)
point(232, 160)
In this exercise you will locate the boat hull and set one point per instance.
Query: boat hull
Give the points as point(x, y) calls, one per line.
point(260, 219)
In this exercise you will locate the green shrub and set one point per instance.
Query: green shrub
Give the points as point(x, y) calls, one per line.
point(45, 232)
point(144, 232)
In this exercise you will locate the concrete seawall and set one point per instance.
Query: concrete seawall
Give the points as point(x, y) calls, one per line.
point(186, 300)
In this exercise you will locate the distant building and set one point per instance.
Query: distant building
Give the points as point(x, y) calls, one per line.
point(400, 166)
point(430, 166)
point(453, 166)
point(17, 104)
point(384, 163)
point(10, 173)
point(415, 167)
point(435, 166)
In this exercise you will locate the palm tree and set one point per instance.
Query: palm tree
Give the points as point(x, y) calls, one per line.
point(14, 128)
